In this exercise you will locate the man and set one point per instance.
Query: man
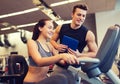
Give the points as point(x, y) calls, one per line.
point(77, 31)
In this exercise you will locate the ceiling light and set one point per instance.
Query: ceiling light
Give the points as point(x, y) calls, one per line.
point(60, 22)
point(19, 13)
point(26, 25)
point(18, 26)
point(6, 28)
point(63, 2)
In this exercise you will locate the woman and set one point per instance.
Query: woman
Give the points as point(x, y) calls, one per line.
point(42, 54)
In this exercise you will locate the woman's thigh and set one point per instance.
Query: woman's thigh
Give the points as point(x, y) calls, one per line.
point(56, 79)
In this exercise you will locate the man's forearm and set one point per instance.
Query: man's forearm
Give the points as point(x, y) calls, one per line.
point(54, 43)
point(88, 54)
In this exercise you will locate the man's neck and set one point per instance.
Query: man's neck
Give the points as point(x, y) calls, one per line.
point(73, 26)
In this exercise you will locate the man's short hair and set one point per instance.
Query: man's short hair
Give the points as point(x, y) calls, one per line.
point(81, 6)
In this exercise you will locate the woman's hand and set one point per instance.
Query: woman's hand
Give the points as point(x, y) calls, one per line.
point(69, 58)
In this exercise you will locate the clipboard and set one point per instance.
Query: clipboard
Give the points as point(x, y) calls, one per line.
point(70, 42)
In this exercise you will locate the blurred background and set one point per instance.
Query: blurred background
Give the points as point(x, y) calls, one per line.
point(17, 19)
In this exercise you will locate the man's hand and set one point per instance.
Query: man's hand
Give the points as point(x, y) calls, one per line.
point(61, 47)
point(76, 53)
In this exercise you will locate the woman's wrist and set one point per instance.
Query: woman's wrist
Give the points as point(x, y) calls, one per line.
point(60, 56)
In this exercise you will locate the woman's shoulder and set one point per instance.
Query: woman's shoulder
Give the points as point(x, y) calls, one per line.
point(31, 42)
